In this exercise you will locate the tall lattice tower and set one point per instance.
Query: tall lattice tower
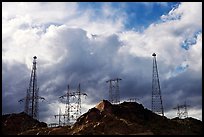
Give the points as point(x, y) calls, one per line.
point(31, 99)
point(114, 94)
point(78, 94)
point(157, 105)
point(68, 106)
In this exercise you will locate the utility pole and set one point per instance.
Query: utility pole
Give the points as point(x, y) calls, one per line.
point(157, 105)
point(114, 94)
point(31, 99)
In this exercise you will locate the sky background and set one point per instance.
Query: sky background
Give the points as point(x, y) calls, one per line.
point(90, 43)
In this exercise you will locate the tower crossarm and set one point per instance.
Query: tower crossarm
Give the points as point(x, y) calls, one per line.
point(21, 100)
point(115, 79)
point(68, 94)
point(79, 93)
point(108, 81)
point(38, 97)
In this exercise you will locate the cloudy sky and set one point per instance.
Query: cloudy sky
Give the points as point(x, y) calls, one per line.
point(90, 43)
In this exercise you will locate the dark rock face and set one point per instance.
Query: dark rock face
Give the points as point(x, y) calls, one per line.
point(16, 123)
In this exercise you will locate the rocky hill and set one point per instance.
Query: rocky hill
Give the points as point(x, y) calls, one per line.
point(132, 118)
point(13, 124)
point(128, 118)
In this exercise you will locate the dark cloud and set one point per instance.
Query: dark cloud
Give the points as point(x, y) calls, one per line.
point(182, 88)
point(13, 89)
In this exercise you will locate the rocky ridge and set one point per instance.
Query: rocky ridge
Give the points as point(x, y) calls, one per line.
point(127, 118)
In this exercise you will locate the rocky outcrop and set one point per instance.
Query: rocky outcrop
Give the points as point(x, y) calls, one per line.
point(104, 106)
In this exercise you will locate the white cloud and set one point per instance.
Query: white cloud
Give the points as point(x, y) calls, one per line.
point(27, 30)
point(195, 113)
point(40, 12)
point(195, 55)
point(189, 15)
point(165, 38)
point(109, 20)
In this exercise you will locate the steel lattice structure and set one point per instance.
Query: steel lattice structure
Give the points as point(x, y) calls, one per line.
point(31, 99)
point(114, 94)
point(72, 109)
point(60, 123)
point(182, 110)
point(157, 105)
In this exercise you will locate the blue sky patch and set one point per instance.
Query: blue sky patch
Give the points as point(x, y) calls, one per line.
point(139, 14)
point(181, 68)
point(187, 43)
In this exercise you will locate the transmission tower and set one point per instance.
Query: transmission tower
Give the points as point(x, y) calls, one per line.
point(182, 110)
point(157, 106)
point(78, 95)
point(31, 99)
point(59, 120)
point(114, 94)
point(70, 106)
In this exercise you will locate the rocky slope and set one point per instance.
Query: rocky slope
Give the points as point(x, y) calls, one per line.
point(128, 118)
point(13, 124)
point(132, 118)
